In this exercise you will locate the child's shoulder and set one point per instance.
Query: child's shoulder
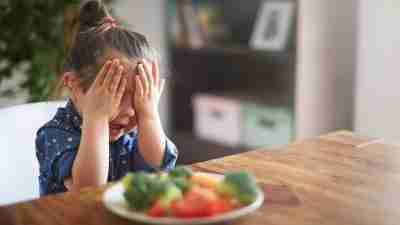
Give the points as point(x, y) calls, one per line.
point(66, 120)
point(57, 134)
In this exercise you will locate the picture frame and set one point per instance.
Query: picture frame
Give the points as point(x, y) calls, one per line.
point(272, 26)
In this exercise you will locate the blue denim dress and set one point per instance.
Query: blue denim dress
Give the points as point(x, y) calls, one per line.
point(57, 144)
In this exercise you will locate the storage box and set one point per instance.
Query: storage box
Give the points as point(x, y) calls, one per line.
point(266, 126)
point(217, 119)
point(234, 121)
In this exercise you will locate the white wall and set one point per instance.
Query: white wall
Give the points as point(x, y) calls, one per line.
point(147, 17)
point(327, 33)
point(378, 75)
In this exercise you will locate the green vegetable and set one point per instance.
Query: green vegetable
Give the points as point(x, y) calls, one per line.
point(171, 193)
point(142, 189)
point(240, 185)
point(180, 171)
point(182, 183)
point(163, 176)
point(127, 180)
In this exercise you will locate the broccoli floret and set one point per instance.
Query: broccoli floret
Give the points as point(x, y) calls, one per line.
point(180, 171)
point(240, 185)
point(142, 189)
point(182, 183)
point(127, 180)
point(171, 193)
point(163, 176)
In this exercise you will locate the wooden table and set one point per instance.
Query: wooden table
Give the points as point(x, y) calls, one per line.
point(339, 178)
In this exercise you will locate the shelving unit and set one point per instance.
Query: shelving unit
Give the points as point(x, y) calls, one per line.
point(197, 150)
point(225, 68)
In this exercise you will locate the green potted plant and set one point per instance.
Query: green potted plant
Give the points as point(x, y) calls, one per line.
point(36, 33)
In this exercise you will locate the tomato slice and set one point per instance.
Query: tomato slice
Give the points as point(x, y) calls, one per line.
point(195, 203)
point(200, 202)
point(221, 205)
point(156, 210)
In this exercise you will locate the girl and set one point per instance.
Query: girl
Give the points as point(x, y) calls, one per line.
point(110, 124)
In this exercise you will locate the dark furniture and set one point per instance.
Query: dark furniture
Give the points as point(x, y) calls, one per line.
point(224, 67)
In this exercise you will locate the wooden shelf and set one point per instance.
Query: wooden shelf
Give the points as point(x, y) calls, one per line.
point(226, 66)
point(193, 150)
point(235, 51)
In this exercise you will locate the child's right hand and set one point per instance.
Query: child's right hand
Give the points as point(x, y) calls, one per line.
point(104, 96)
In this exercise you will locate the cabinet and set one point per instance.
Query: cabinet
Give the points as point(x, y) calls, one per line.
point(230, 67)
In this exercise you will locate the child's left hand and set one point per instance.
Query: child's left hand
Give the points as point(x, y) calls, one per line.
point(149, 88)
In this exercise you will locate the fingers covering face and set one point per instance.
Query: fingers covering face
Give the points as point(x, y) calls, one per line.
point(122, 86)
point(156, 73)
point(144, 81)
point(102, 74)
point(139, 87)
point(111, 73)
point(149, 76)
point(116, 79)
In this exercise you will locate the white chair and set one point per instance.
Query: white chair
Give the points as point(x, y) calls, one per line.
point(19, 169)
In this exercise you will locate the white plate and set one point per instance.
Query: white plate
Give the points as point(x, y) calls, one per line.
point(114, 201)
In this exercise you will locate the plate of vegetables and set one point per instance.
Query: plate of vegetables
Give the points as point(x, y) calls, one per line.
point(184, 197)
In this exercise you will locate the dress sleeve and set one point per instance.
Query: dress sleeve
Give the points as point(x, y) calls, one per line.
point(56, 150)
point(169, 159)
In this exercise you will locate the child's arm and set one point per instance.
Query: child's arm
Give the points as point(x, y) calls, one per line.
point(90, 167)
point(151, 141)
point(151, 137)
point(101, 102)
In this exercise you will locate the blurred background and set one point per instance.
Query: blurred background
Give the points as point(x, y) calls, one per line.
point(242, 74)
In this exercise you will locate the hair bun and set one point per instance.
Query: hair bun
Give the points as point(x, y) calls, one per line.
point(91, 14)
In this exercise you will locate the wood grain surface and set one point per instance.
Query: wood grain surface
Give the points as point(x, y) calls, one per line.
point(336, 179)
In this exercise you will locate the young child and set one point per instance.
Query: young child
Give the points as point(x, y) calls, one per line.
point(110, 124)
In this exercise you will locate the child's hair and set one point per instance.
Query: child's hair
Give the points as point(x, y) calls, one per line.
point(97, 33)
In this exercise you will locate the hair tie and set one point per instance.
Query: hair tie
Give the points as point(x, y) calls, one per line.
point(107, 23)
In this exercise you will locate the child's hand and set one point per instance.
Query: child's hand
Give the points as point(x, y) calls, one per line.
point(104, 96)
point(149, 88)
